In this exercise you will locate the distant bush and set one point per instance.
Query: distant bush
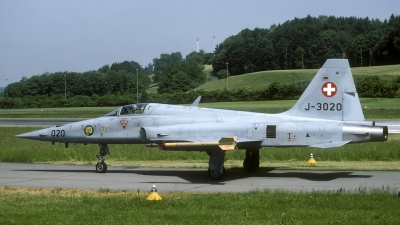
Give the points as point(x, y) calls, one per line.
point(374, 87)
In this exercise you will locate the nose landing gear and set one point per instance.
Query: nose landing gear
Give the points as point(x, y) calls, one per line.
point(101, 166)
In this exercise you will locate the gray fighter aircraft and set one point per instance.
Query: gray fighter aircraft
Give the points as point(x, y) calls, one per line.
point(327, 115)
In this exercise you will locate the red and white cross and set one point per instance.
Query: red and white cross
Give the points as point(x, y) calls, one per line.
point(329, 89)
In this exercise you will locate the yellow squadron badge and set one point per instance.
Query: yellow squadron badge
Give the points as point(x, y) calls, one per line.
point(88, 130)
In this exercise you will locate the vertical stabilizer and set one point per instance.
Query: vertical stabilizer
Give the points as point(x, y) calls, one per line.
point(330, 95)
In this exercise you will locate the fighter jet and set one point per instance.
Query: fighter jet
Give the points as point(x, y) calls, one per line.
point(327, 115)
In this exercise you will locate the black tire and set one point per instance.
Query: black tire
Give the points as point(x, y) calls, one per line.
point(252, 161)
point(216, 175)
point(101, 167)
point(251, 165)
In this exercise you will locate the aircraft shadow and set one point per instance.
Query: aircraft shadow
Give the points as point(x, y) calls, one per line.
point(239, 173)
point(197, 176)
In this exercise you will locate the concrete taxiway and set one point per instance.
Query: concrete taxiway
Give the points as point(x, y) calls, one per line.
point(192, 180)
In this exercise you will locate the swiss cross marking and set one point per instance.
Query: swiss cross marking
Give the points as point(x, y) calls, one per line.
point(329, 89)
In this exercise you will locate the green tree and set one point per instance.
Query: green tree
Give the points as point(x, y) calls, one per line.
point(165, 60)
point(359, 48)
point(195, 57)
point(127, 66)
point(299, 62)
point(181, 77)
point(104, 69)
point(148, 70)
point(388, 47)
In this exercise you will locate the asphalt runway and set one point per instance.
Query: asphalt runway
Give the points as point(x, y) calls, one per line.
point(393, 125)
point(192, 180)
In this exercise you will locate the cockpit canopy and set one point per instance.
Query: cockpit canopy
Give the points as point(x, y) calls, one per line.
point(132, 109)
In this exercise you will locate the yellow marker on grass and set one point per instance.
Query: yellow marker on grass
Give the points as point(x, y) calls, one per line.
point(312, 161)
point(154, 195)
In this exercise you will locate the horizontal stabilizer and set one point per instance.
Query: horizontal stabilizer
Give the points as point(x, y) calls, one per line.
point(330, 144)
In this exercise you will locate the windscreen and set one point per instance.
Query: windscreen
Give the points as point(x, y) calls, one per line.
point(132, 109)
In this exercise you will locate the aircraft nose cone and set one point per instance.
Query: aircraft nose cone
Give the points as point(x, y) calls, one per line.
point(34, 135)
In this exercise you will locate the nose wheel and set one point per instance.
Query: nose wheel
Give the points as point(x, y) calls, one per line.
point(101, 166)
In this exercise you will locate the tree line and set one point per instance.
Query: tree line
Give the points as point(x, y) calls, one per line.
point(308, 42)
point(119, 78)
point(172, 72)
point(367, 86)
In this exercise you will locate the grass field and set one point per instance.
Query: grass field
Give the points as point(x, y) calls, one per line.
point(261, 80)
point(374, 108)
point(56, 206)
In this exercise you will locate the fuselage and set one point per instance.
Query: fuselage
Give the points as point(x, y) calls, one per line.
point(158, 123)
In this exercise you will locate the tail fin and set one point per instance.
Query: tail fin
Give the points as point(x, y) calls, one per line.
point(330, 95)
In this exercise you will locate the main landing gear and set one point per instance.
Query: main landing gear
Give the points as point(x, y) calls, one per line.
point(252, 161)
point(216, 169)
point(101, 166)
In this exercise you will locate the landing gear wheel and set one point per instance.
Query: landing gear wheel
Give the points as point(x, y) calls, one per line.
point(252, 161)
point(101, 167)
point(215, 174)
point(250, 165)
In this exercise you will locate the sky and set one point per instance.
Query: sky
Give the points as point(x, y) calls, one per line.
point(39, 36)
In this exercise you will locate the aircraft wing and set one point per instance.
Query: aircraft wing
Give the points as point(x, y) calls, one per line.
point(180, 137)
point(198, 135)
point(198, 143)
